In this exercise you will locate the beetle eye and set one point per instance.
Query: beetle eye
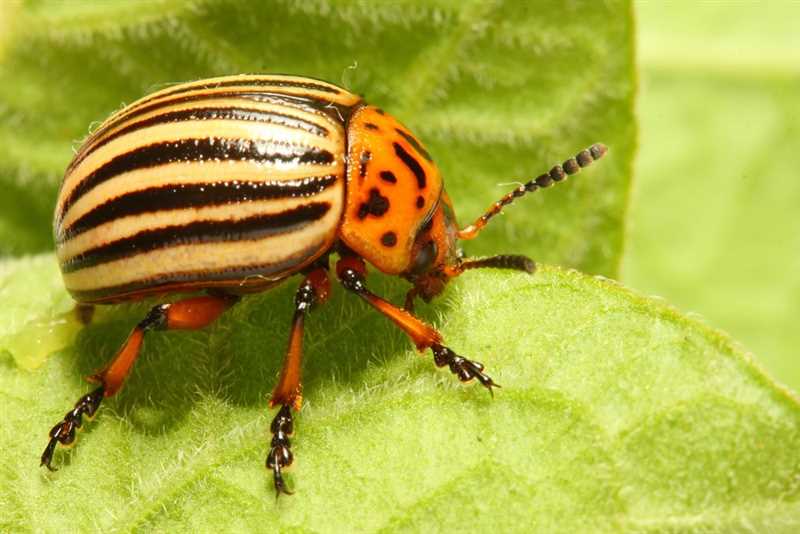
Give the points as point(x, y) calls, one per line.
point(425, 258)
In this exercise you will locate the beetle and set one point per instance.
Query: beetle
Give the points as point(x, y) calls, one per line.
point(229, 186)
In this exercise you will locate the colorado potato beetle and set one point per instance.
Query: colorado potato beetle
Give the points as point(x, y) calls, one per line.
point(231, 185)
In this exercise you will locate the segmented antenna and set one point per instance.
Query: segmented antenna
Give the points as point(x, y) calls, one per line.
point(504, 261)
point(557, 174)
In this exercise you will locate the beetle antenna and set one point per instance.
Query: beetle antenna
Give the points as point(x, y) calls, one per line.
point(512, 262)
point(557, 174)
point(503, 261)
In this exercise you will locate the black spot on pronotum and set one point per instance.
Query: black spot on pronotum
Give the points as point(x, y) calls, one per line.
point(379, 111)
point(388, 176)
point(389, 239)
point(376, 205)
point(412, 164)
point(413, 142)
point(420, 202)
point(363, 160)
point(371, 126)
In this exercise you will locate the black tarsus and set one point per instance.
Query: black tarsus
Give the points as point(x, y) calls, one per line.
point(280, 454)
point(64, 431)
point(463, 368)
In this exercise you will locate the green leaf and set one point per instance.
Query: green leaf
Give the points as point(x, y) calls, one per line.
point(498, 90)
point(715, 226)
point(616, 413)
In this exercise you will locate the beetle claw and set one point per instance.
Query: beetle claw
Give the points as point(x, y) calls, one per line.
point(279, 457)
point(280, 484)
point(275, 459)
point(280, 454)
point(465, 369)
point(64, 431)
point(47, 455)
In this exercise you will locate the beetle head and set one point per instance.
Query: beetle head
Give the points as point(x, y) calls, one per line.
point(435, 255)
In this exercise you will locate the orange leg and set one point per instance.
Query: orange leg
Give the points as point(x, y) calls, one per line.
point(188, 314)
point(352, 272)
point(288, 393)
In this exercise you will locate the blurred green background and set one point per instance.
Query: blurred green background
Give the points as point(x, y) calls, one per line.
point(714, 224)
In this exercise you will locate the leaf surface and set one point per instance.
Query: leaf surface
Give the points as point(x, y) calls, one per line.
point(616, 413)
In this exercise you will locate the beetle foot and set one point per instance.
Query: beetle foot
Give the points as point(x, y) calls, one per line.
point(463, 368)
point(64, 431)
point(280, 454)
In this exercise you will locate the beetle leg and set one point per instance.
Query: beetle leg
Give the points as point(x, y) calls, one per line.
point(84, 313)
point(280, 452)
point(188, 314)
point(314, 289)
point(410, 296)
point(352, 273)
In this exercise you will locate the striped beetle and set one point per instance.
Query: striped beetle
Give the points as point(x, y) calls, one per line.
point(230, 185)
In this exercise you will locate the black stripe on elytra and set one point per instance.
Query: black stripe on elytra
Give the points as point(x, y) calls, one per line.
point(414, 143)
point(267, 274)
point(337, 112)
point(190, 150)
point(210, 113)
point(195, 195)
point(247, 229)
point(245, 82)
point(412, 164)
